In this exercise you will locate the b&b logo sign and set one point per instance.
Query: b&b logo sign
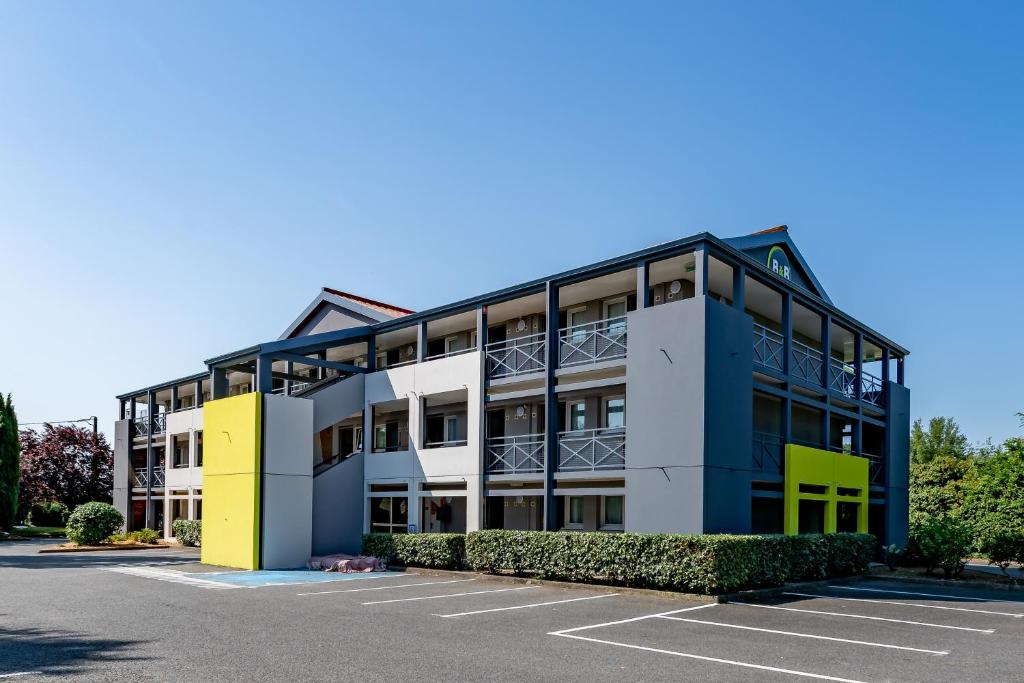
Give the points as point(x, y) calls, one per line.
point(778, 263)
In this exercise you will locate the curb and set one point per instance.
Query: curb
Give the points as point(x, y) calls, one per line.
point(92, 549)
point(752, 595)
point(947, 583)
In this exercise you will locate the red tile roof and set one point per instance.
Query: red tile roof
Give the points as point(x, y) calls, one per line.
point(777, 228)
point(387, 309)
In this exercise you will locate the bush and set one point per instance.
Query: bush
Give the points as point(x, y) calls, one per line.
point(188, 531)
point(941, 542)
point(1003, 548)
point(440, 551)
point(693, 563)
point(49, 513)
point(90, 523)
point(144, 536)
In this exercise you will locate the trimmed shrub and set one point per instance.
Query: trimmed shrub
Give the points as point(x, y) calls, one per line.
point(1003, 548)
point(188, 531)
point(144, 536)
point(692, 563)
point(440, 551)
point(941, 542)
point(48, 513)
point(90, 523)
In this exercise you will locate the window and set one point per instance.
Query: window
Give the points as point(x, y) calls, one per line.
point(577, 416)
point(451, 345)
point(435, 430)
point(615, 314)
point(574, 512)
point(472, 339)
point(380, 438)
point(578, 328)
point(199, 449)
point(615, 413)
point(612, 512)
point(382, 360)
point(451, 429)
point(389, 514)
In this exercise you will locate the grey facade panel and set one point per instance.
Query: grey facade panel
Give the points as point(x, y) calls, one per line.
point(897, 472)
point(122, 460)
point(338, 508)
point(665, 380)
point(728, 419)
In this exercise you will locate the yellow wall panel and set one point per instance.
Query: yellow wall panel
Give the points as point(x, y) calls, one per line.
point(821, 468)
point(231, 481)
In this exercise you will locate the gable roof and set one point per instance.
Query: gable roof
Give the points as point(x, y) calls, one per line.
point(373, 311)
point(757, 243)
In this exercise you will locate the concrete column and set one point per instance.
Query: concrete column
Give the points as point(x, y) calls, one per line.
point(174, 399)
point(198, 400)
point(264, 374)
point(739, 287)
point(371, 354)
point(551, 423)
point(643, 286)
point(826, 364)
point(858, 363)
point(700, 274)
point(421, 342)
point(218, 383)
point(787, 333)
point(289, 368)
point(150, 408)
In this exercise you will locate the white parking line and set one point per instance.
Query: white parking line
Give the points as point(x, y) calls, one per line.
point(170, 575)
point(627, 621)
point(864, 616)
point(906, 604)
point(21, 673)
point(926, 595)
point(747, 665)
point(535, 604)
point(449, 595)
point(384, 588)
point(807, 635)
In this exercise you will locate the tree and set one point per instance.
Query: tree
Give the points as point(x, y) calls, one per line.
point(943, 437)
point(9, 463)
point(995, 504)
point(941, 486)
point(66, 464)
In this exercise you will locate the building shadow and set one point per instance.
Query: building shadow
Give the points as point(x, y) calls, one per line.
point(59, 652)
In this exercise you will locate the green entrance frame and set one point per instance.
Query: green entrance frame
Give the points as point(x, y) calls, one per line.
point(816, 474)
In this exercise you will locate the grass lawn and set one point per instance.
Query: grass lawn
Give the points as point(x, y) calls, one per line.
point(32, 532)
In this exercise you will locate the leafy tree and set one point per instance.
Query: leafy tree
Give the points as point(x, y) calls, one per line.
point(942, 437)
point(9, 462)
point(65, 464)
point(941, 486)
point(995, 504)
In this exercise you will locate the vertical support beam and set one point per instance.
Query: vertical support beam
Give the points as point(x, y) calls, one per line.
point(321, 372)
point(481, 345)
point(900, 376)
point(289, 368)
point(264, 374)
point(174, 398)
point(643, 285)
point(371, 354)
point(858, 364)
point(550, 405)
point(421, 341)
point(700, 273)
point(368, 435)
point(198, 400)
point(787, 334)
point(150, 414)
point(121, 414)
point(218, 383)
point(826, 364)
point(739, 287)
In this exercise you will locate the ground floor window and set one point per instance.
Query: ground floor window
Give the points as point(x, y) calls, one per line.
point(389, 514)
point(612, 513)
point(574, 512)
point(767, 515)
point(812, 517)
point(444, 514)
point(846, 517)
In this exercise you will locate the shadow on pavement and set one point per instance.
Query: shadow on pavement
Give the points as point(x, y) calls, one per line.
point(58, 652)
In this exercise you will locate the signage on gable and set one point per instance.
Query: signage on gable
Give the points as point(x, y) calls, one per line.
point(778, 263)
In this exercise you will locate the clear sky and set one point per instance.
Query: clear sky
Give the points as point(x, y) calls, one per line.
point(178, 180)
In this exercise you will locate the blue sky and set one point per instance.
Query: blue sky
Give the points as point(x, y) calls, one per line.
point(179, 180)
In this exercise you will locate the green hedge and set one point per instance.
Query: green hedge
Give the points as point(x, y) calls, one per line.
point(188, 531)
point(440, 551)
point(48, 513)
point(691, 563)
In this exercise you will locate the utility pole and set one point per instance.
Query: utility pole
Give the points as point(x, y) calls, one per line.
point(95, 431)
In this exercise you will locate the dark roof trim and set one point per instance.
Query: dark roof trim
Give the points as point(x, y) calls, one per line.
point(165, 385)
point(241, 354)
point(773, 236)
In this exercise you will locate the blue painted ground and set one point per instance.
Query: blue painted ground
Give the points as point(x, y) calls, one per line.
point(283, 577)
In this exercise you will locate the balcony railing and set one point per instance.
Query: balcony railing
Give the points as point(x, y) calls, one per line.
point(519, 356)
point(145, 424)
point(876, 469)
point(767, 452)
point(592, 449)
point(449, 354)
point(141, 477)
point(445, 444)
point(768, 348)
point(870, 389)
point(806, 363)
point(522, 454)
point(844, 378)
point(592, 342)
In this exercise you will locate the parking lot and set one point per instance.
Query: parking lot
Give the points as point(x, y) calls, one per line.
point(159, 615)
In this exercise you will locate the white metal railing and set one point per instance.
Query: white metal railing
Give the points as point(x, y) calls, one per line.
point(806, 362)
point(449, 354)
point(515, 454)
point(446, 444)
point(399, 365)
point(141, 477)
point(592, 449)
point(519, 356)
point(768, 348)
point(592, 342)
point(870, 389)
point(844, 378)
point(146, 424)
